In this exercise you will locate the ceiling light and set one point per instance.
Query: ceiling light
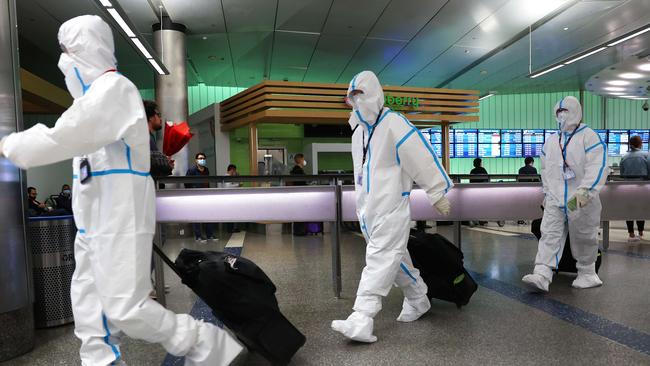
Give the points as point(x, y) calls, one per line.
point(486, 96)
point(630, 75)
point(614, 88)
point(156, 66)
point(546, 71)
point(570, 61)
point(618, 82)
point(566, 28)
point(616, 93)
point(121, 23)
point(141, 47)
point(106, 3)
point(630, 36)
point(644, 67)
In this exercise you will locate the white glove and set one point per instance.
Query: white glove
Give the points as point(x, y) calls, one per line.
point(583, 197)
point(443, 206)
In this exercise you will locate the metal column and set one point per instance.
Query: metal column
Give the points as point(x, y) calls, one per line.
point(171, 90)
point(336, 240)
point(16, 288)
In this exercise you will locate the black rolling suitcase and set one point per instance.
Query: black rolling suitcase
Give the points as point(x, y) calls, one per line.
point(441, 266)
point(567, 263)
point(243, 298)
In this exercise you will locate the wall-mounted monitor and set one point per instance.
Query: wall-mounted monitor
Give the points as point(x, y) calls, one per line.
point(549, 133)
point(465, 136)
point(618, 136)
point(645, 134)
point(512, 136)
point(533, 136)
point(438, 149)
point(602, 134)
point(533, 150)
point(464, 150)
point(489, 136)
point(489, 150)
point(616, 149)
point(511, 150)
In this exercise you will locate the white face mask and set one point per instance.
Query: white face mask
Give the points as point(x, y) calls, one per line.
point(561, 119)
point(304, 163)
point(73, 80)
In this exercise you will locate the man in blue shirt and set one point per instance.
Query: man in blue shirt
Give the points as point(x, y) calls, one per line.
point(635, 164)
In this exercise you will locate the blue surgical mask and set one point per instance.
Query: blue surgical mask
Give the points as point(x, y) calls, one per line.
point(201, 162)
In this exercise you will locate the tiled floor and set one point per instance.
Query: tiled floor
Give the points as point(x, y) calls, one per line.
point(502, 325)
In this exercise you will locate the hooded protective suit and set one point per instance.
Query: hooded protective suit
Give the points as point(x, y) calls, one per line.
point(389, 153)
point(114, 209)
point(574, 169)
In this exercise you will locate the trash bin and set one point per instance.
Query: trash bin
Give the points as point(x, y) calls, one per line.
point(52, 242)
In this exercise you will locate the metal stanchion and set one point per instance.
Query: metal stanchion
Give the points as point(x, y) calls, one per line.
point(336, 241)
point(605, 236)
point(457, 234)
point(159, 269)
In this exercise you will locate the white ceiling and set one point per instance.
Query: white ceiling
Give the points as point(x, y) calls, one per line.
point(453, 43)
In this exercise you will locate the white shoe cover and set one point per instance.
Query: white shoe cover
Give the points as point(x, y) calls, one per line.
point(357, 327)
point(587, 281)
point(412, 311)
point(216, 347)
point(536, 282)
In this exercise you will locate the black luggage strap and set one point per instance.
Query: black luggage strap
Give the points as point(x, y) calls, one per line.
point(166, 259)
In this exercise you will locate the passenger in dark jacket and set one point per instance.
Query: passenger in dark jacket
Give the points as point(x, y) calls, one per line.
point(199, 168)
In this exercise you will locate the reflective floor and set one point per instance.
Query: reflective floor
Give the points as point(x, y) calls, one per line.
point(502, 325)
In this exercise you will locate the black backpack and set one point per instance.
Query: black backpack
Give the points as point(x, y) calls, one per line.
point(441, 266)
point(243, 298)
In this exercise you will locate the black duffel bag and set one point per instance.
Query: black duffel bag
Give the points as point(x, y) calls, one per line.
point(242, 296)
point(441, 266)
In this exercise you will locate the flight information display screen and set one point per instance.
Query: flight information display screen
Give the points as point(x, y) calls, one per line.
point(511, 150)
point(534, 136)
point(465, 136)
point(602, 134)
point(618, 136)
point(489, 150)
point(549, 133)
point(645, 134)
point(616, 149)
point(533, 150)
point(464, 150)
point(438, 150)
point(436, 136)
point(489, 136)
point(512, 136)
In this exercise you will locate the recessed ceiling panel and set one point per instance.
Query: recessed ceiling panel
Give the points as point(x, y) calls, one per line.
point(453, 21)
point(141, 14)
point(331, 56)
point(353, 18)
point(302, 15)
point(249, 15)
point(403, 19)
point(291, 55)
point(373, 55)
point(211, 57)
point(199, 16)
point(449, 63)
point(251, 53)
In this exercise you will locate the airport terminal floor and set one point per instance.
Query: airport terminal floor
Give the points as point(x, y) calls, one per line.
point(503, 324)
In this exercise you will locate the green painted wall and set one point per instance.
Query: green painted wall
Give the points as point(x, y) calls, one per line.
point(517, 111)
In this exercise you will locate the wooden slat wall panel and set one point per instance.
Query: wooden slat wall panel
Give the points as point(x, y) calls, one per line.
point(324, 103)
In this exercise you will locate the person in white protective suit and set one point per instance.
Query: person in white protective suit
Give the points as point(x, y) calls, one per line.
point(574, 169)
point(113, 199)
point(389, 153)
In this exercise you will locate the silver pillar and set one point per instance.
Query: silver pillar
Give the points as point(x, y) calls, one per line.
point(16, 298)
point(171, 90)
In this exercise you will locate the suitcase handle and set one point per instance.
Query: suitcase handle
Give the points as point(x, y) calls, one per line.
point(166, 259)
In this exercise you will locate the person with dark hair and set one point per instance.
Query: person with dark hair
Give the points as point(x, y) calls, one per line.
point(635, 164)
point(231, 171)
point(478, 170)
point(64, 200)
point(528, 168)
point(200, 168)
point(161, 165)
point(300, 164)
point(36, 208)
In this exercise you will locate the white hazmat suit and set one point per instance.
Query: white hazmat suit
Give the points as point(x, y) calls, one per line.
point(574, 169)
point(389, 153)
point(114, 209)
